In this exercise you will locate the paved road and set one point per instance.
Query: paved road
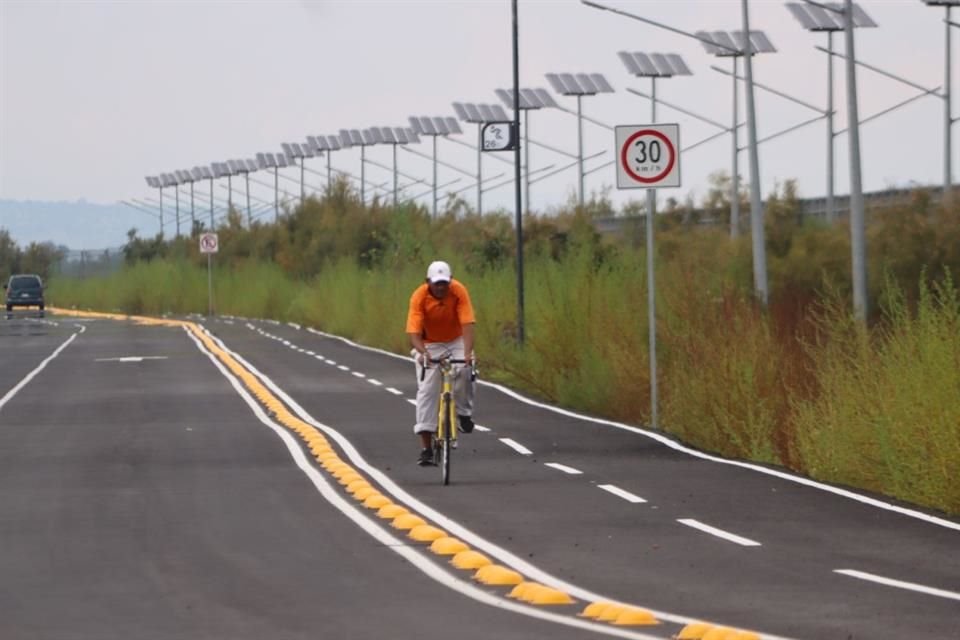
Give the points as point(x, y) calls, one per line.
point(145, 498)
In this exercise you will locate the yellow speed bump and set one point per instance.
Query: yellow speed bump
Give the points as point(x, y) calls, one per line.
point(363, 494)
point(719, 633)
point(694, 631)
point(376, 501)
point(744, 635)
point(391, 511)
point(356, 485)
point(494, 574)
point(448, 546)
point(635, 617)
point(348, 477)
point(547, 596)
point(611, 613)
point(470, 560)
point(524, 590)
point(426, 533)
point(407, 521)
point(594, 609)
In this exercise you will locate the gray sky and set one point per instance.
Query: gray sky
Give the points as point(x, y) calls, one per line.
point(96, 95)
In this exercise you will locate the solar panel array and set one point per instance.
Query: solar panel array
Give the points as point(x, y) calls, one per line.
point(480, 113)
point(814, 18)
point(733, 43)
point(579, 84)
point(654, 65)
point(436, 126)
point(529, 98)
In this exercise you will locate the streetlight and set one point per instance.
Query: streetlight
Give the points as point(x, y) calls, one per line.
point(653, 66)
point(817, 19)
point(203, 173)
point(480, 114)
point(275, 162)
point(325, 145)
point(579, 85)
point(157, 183)
point(948, 118)
point(353, 138)
point(433, 127)
point(393, 137)
point(293, 151)
point(170, 180)
point(187, 177)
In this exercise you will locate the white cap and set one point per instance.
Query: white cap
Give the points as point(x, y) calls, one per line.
point(438, 271)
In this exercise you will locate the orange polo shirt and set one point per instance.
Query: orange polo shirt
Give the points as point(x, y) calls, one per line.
point(439, 320)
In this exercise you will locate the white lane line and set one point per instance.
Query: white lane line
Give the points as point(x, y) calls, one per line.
point(20, 385)
point(395, 392)
point(359, 375)
point(333, 362)
point(130, 359)
point(412, 401)
point(294, 325)
point(375, 382)
point(343, 368)
point(513, 444)
point(720, 533)
point(617, 491)
point(480, 427)
point(563, 467)
point(310, 353)
point(386, 539)
point(890, 582)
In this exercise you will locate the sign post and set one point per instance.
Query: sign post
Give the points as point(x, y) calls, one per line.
point(648, 157)
point(209, 244)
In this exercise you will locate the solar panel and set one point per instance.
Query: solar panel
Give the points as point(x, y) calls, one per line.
point(529, 96)
point(306, 150)
point(387, 136)
point(412, 136)
point(435, 125)
point(742, 44)
point(461, 112)
point(282, 161)
point(453, 125)
point(679, 65)
point(727, 45)
point(272, 159)
point(861, 19)
point(545, 98)
point(799, 12)
point(587, 81)
point(251, 165)
point(761, 43)
point(345, 138)
point(630, 63)
point(573, 87)
point(557, 84)
point(486, 113)
point(150, 181)
point(825, 20)
point(369, 137)
point(205, 173)
point(416, 124)
point(334, 143)
point(473, 112)
point(287, 150)
point(186, 176)
point(355, 137)
point(262, 160)
point(662, 64)
point(706, 40)
point(423, 125)
point(196, 174)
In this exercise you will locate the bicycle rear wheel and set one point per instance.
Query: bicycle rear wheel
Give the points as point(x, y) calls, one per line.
point(445, 448)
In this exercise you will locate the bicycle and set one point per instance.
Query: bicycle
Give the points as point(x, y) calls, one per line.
point(444, 441)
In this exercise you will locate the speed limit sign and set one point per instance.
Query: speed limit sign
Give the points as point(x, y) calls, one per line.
point(648, 156)
point(209, 243)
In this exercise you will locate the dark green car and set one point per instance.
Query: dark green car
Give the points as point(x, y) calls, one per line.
point(24, 290)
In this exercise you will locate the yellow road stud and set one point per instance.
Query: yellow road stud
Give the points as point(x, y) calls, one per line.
point(635, 617)
point(391, 511)
point(448, 546)
point(496, 575)
point(470, 560)
point(549, 596)
point(354, 486)
point(610, 613)
point(407, 521)
point(594, 609)
point(426, 533)
point(523, 590)
point(376, 501)
point(719, 633)
point(363, 494)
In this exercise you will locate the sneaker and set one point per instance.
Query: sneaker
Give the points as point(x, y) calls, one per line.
point(426, 458)
point(466, 424)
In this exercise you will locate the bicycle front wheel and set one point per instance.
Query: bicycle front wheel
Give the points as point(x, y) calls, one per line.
point(445, 448)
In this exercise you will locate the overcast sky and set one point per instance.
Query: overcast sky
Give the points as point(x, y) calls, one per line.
point(96, 95)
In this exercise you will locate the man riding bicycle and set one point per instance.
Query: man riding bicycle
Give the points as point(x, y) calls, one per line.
point(440, 325)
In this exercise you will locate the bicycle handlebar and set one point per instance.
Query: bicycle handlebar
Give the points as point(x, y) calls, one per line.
point(423, 368)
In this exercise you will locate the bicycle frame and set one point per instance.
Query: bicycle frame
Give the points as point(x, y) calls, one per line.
point(446, 436)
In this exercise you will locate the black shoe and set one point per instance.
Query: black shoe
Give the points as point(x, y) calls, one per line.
point(426, 458)
point(466, 423)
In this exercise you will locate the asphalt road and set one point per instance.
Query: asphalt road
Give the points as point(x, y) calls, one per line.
point(143, 494)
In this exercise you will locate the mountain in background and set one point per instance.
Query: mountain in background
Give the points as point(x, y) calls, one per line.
point(77, 225)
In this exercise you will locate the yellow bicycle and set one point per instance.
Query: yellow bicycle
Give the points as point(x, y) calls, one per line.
point(444, 441)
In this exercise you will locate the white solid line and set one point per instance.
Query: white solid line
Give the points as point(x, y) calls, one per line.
point(359, 375)
point(890, 582)
point(720, 533)
point(20, 385)
point(412, 401)
point(564, 468)
point(395, 392)
point(617, 491)
point(374, 381)
point(513, 444)
point(480, 427)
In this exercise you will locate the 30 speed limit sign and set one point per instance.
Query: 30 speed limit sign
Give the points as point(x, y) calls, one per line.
point(648, 156)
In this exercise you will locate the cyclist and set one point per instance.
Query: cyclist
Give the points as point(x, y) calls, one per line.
point(440, 324)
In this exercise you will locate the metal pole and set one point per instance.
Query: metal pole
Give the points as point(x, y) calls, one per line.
point(161, 212)
point(394, 176)
point(756, 201)
point(947, 123)
point(229, 192)
point(209, 286)
point(516, 173)
point(651, 280)
point(735, 171)
point(303, 162)
point(329, 173)
point(193, 217)
point(479, 170)
point(580, 145)
point(434, 176)
point(249, 214)
point(830, 136)
point(276, 194)
point(526, 159)
point(177, 193)
point(363, 174)
point(211, 204)
point(857, 232)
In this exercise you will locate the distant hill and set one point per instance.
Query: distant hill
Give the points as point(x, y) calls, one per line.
point(77, 225)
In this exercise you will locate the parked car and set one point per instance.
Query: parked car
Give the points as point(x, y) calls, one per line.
point(24, 290)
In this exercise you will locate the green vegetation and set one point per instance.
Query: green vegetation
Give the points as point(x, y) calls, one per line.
point(35, 258)
point(799, 384)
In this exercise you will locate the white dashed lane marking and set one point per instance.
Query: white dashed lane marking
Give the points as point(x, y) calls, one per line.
point(395, 392)
point(359, 375)
point(564, 468)
point(617, 491)
point(720, 533)
point(516, 446)
point(899, 584)
point(375, 382)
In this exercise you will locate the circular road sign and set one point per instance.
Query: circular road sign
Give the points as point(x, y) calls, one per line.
point(647, 156)
point(209, 243)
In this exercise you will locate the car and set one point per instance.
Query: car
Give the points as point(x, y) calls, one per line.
point(24, 290)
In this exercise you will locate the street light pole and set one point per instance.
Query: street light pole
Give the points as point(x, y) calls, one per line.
point(516, 174)
point(857, 231)
point(830, 136)
point(735, 163)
